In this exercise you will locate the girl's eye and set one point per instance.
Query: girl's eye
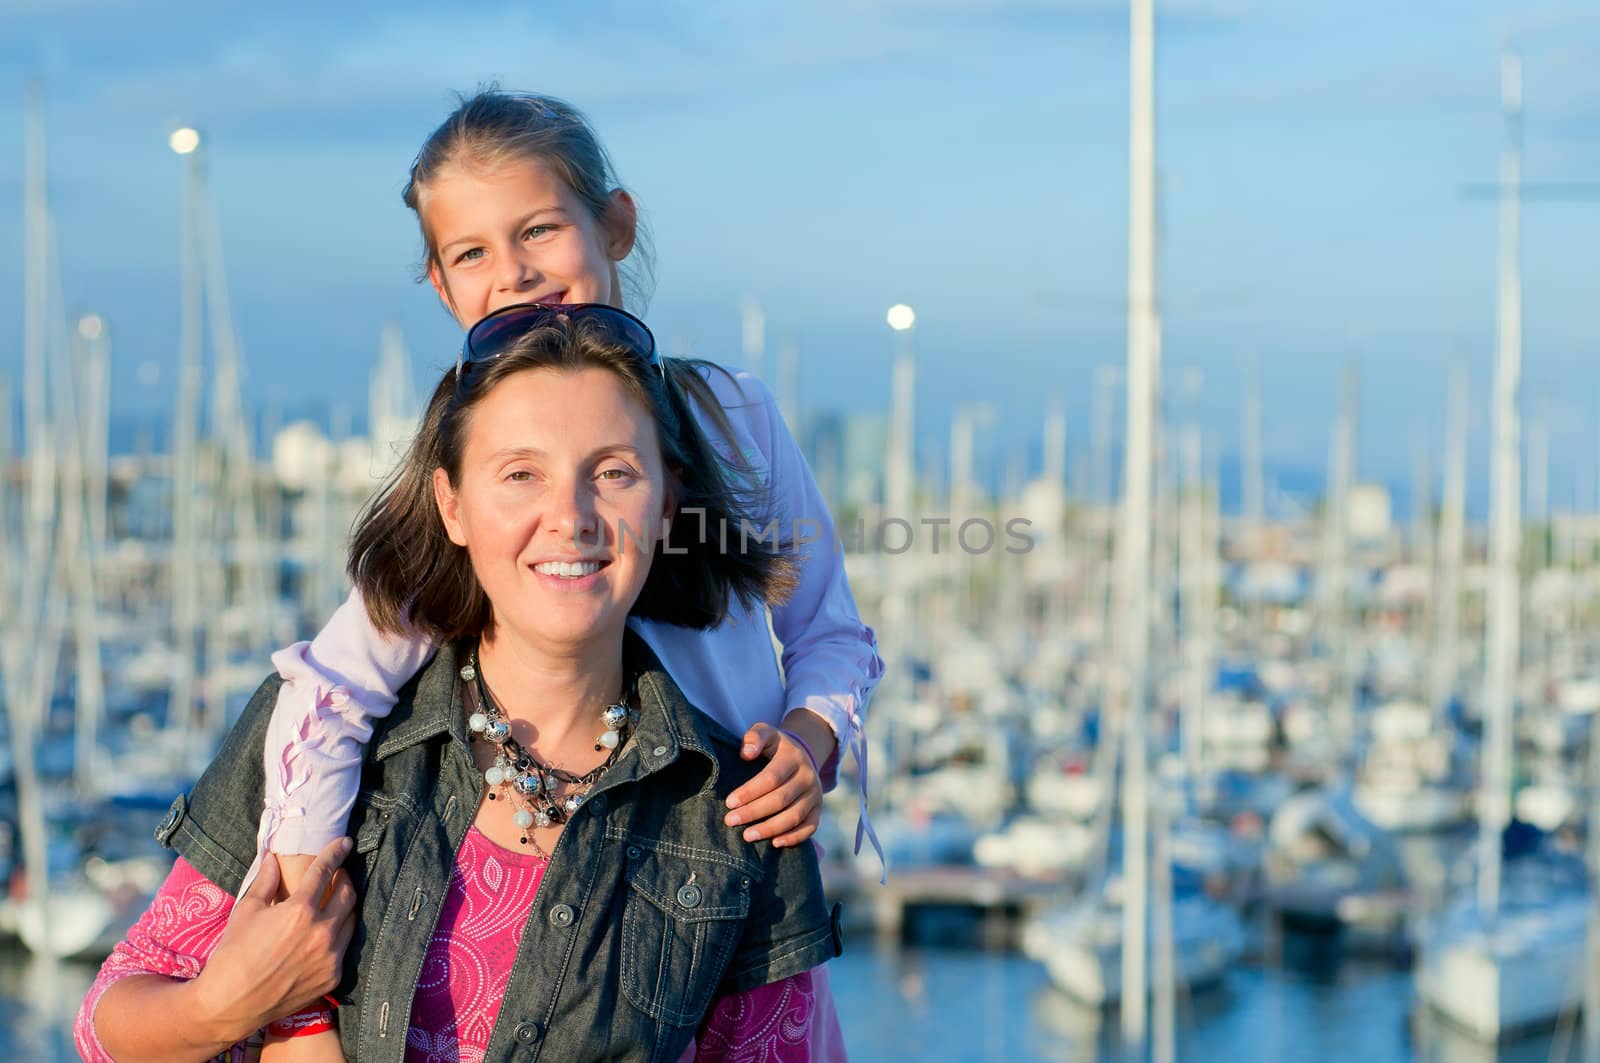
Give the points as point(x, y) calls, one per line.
point(471, 254)
point(537, 231)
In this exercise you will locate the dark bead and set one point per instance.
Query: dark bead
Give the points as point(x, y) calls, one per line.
point(491, 795)
point(524, 841)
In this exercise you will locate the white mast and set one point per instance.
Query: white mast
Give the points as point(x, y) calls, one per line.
point(1452, 538)
point(233, 534)
point(35, 311)
point(29, 665)
point(1539, 485)
point(1250, 450)
point(899, 475)
point(753, 334)
point(1333, 579)
point(1144, 341)
point(1198, 605)
point(788, 384)
point(392, 406)
point(185, 457)
point(1505, 529)
point(1420, 549)
point(1104, 557)
point(76, 556)
point(960, 500)
point(1055, 444)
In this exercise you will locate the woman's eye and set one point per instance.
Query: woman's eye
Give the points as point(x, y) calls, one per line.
point(616, 474)
point(519, 476)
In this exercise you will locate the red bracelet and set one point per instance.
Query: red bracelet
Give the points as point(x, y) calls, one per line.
point(805, 746)
point(301, 1023)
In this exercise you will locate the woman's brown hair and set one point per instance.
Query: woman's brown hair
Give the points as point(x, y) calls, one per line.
point(411, 574)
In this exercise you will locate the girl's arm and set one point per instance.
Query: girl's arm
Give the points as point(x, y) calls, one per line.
point(198, 972)
point(830, 658)
point(793, 1019)
point(337, 684)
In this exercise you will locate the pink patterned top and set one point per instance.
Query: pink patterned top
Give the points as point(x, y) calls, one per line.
point(466, 970)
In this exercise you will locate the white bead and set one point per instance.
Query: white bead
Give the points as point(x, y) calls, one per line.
point(477, 721)
point(609, 739)
point(523, 818)
point(494, 776)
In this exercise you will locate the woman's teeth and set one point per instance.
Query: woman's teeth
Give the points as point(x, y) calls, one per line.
point(568, 569)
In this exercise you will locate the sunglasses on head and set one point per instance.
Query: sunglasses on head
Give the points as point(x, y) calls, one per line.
point(498, 333)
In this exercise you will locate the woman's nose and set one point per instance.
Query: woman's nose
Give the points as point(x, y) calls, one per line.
point(575, 517)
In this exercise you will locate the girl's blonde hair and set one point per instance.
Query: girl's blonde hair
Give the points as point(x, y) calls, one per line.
point(492, 128)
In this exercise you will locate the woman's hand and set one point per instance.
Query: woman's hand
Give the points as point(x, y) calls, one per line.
point(784, 801)
point(277, 956)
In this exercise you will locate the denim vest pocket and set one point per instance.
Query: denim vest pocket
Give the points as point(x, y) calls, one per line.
point(681, 920)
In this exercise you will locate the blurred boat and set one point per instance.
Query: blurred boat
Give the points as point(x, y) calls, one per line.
point(1521, 966)
point(1080, 943)
point(1328, 866)
point(1407, 782)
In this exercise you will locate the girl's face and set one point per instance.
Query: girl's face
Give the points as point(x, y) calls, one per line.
point(559, 502)
point(519, 234)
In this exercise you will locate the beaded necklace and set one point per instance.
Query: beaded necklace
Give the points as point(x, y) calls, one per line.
point(547, 794)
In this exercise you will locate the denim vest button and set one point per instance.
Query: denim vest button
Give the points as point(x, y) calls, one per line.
point(527, 1032)
point(561, 915)
point(598, 803)
point(660, 751)
point(689, 896)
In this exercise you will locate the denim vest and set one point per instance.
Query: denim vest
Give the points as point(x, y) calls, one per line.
point(649, 909)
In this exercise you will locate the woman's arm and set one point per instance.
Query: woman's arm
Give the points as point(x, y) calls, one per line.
point(199, 972)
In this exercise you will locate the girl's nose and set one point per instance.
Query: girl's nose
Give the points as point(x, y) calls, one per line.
point(517, 273)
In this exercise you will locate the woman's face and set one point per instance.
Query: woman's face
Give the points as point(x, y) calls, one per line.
point(559, 503)
point(519, 234)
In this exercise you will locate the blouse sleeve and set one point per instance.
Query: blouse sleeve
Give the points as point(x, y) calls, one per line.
point(336, 685)
point(789, 1021)
point(173, 939)
point(830, 657)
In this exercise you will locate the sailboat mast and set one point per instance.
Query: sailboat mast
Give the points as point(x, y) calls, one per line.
point(1143, 372)
point(1452, 537)
point(185, 448)
point(35, 306)
point(1505, 528)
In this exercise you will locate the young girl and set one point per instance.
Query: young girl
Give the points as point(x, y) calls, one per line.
point(518, 203)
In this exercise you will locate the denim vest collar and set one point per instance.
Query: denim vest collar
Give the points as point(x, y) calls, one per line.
point(667, 722)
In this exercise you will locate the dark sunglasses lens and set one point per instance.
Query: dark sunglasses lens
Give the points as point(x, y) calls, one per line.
point(491, 337)
point(619, 328)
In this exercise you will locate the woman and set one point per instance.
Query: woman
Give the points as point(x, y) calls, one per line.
point(540, 850)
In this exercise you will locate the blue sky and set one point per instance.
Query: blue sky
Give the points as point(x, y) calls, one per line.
point(834, 157)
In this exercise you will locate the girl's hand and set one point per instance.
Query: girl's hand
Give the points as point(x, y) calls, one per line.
point(784, 801)
point(276, 957)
